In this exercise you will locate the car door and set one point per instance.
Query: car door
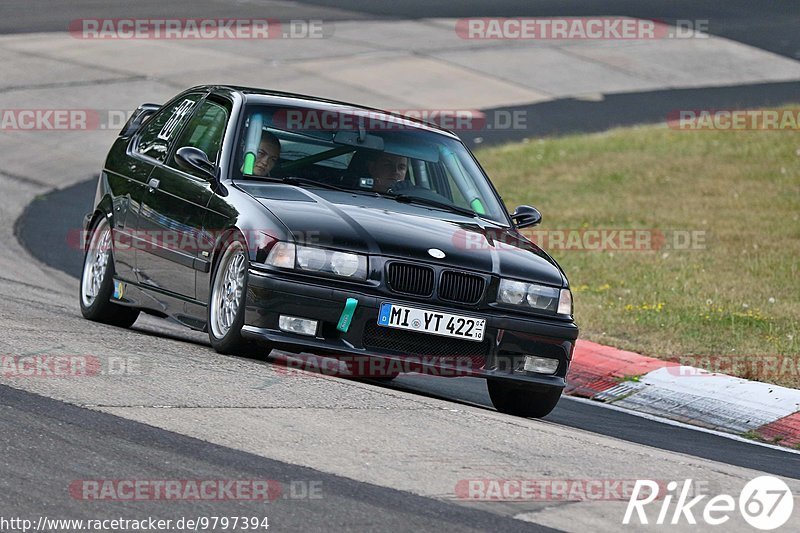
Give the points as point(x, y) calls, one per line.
point(125, 178)
point(172, 209)
point(127, 170)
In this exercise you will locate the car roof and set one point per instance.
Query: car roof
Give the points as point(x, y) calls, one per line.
point(252, 95)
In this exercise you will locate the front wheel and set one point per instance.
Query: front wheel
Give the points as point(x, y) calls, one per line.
point(227, 302)
point(521, 400)
point(97, 282)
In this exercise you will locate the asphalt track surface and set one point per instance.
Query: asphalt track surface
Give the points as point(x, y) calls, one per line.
point(568, 115)
point(768, 25)
point(772, 27)
point(48, 229)
point(47, 443)
point(36, 431)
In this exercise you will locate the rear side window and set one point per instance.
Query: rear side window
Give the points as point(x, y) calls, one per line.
point(160, 131)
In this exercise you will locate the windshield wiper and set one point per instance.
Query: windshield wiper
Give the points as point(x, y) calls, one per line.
point(411, 199)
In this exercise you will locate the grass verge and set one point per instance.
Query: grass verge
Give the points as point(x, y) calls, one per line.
point(717, 287)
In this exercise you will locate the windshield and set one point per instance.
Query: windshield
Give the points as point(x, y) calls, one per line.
point(355, 151)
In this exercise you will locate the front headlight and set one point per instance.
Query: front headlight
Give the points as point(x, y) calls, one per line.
point(310, 259)
point(535, 296)
point(512, 292)
point(282, 255)
point(344, 264)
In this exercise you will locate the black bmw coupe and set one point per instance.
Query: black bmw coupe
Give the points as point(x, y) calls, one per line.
point(275, 220)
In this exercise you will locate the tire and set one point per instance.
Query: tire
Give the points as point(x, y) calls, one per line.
point(228, 298)
point(97, 281)
point(520, 400)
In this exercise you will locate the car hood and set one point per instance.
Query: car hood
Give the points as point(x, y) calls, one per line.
point(382, 226)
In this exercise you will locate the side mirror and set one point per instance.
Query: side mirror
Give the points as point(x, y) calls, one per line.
point(191, 158)
point(525, 216)
point(142, 113)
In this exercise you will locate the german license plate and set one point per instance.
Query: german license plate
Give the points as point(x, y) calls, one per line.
point(434, 322)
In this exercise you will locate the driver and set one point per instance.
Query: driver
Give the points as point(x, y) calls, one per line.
point(388, 171)
point(269, 151)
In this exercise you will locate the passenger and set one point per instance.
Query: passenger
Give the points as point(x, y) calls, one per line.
point(388, 171)
point(269, 151)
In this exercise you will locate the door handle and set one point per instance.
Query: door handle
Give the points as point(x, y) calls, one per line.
point(152, 184)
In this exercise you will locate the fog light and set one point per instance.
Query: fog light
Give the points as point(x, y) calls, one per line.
point(540, 365)
point(301, 326)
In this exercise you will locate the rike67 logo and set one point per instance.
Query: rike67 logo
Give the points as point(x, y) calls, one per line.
point(765, 503)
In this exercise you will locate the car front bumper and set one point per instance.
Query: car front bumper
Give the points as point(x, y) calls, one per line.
point(507, 339)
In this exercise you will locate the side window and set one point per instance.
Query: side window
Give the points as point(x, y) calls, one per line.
point(160, 131)
point(205, 130)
